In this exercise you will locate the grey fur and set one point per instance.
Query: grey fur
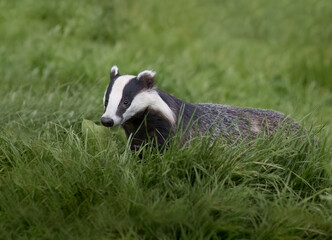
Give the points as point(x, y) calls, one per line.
point(234, 122)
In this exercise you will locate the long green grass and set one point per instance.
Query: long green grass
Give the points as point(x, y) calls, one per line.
point(64, 177)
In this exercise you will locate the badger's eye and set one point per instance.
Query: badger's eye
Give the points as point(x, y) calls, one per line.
point(125, 101)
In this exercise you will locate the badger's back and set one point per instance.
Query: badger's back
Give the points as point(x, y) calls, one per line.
point(235, 122)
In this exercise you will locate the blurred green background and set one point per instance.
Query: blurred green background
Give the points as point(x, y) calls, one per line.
point(59, 182)
point(56, 56)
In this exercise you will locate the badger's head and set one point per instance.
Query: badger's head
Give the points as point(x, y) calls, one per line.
point(129, 95)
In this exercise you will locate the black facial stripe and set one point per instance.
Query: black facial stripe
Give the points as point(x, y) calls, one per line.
point(133, 87)
point(109, 89)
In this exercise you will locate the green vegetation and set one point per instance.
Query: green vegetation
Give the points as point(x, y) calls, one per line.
point(62, 177)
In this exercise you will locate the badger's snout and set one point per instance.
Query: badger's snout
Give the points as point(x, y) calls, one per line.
point(107, 122)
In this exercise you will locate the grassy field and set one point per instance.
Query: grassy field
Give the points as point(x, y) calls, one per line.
point(64, 177)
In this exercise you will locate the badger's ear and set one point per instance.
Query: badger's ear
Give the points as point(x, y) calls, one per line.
point(114, 72)
point(147, 77)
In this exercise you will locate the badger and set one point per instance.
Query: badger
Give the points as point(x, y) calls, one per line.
point(146, 112)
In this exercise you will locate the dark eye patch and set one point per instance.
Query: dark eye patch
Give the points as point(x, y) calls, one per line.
point(133, 87)
point(125, 101)
point(106, 103)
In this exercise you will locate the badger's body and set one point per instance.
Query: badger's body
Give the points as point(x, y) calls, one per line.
point(146, 112)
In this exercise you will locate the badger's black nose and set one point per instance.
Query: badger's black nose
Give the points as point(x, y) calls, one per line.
point(107, 122)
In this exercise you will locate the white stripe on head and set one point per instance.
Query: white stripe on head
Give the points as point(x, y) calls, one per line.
point(149, 99)
point(115, 98)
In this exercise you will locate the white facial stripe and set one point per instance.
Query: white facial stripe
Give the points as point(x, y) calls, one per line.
point(149, 99)
point(115, 98)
